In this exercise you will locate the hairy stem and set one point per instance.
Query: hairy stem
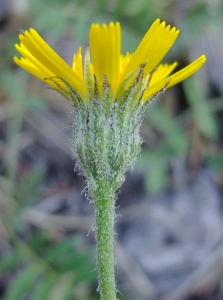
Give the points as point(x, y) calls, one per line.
point(104, 213)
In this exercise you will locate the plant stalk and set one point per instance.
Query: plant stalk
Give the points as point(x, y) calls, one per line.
point(104, 213)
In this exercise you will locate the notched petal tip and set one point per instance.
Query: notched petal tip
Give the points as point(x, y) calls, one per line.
point(162, 25)
point(104, 27)
point(16, 59)
point(174, 30)
point(203, 58)
point(26, 34)
point(21, 36)
point(32, 30)
point(94, 27)
point(199, 61)
point(175, 64)
point(111, 25)
point(177, 32)
point(187, 71)
point(168, 28)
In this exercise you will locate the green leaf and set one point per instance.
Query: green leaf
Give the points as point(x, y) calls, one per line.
point(27, 191)
point(38, 241)
point(43, 287)
point(167, 125)
point(64, 257)
point(18, 94)
point(202, 114)
point(154, 165)
point(60, 250)
point(22, 283)
point(155, 179)
point(10, 260)
point(215, 162)
point(62, 289)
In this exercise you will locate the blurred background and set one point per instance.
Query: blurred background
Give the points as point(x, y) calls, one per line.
point(169, 241)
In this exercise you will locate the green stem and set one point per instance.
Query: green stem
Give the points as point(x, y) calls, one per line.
point(104, 213)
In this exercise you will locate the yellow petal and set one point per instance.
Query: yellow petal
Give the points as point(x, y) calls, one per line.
point(46, 73)
point(77, 64)
point(55, 83)
point(156, 88)
point(29, 57)
point(124, 60)
point(162, 71)
point(175, 78)
point(105, 43)
point(153, 47)
point(24, 63)
point(52, 61)
point(41, 60)
point(187, 71)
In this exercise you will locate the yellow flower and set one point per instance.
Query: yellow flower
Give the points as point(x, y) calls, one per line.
point(107, 62)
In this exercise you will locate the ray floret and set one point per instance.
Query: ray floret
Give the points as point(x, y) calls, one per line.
point(106, 61)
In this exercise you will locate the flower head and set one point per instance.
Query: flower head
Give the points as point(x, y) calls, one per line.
point(110, 92)
point(105, 63)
